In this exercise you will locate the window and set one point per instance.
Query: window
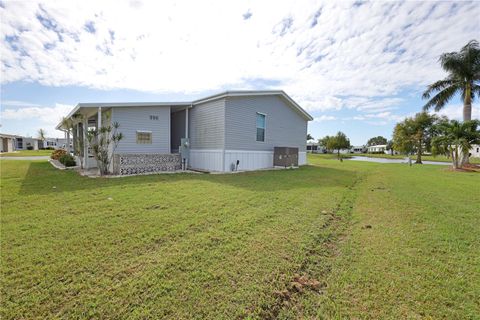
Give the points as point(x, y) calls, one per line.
point(260, 127)
point(144, 137)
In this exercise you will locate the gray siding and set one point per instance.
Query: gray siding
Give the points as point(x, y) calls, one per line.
point(284, 126)
point(132, 119)
point(207, 125)
point(177, 129)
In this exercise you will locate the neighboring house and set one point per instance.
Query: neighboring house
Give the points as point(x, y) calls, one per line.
point(315, 147)
point(475, 151)
point(26, 143)
point(358, 149)
point(213, 134)
point(342, 151)
point(377, 148)
point(7, 142)
point(56, 143)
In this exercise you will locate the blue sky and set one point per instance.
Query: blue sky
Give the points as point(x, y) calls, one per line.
point(357, 67)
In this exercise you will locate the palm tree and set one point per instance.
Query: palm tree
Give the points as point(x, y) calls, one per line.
point(463, 70)
point(455, 138)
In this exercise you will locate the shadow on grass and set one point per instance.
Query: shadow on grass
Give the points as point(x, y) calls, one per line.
point(42, 178)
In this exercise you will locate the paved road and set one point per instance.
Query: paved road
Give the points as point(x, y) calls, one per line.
point(26, 158)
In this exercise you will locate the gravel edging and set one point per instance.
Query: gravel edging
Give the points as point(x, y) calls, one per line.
point(56, 164)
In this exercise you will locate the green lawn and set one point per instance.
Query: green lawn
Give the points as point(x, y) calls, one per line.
point(228, 246)
point(27, 153)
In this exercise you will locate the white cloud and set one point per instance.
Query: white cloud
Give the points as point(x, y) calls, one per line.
point(16, 103)
point(321, 53)
point(456, 112)
point(324, 118)
point(42, 117)
point(322, 103)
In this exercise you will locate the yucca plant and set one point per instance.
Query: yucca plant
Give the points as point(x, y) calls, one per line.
point(103, 143)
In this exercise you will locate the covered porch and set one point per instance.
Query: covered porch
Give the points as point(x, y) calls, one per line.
point(153, 135)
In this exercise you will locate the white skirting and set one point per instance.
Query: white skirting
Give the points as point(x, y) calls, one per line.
point(302, 158)
point(224, 161)
point(210, 160)
point(248, 160)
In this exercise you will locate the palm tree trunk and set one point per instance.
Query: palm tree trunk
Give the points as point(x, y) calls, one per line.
point(452, 154)
point(467, 103)
point(456, 158)
point(419, 152)
point(467, 116)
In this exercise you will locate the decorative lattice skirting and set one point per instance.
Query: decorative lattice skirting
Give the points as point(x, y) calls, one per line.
point(125, 164)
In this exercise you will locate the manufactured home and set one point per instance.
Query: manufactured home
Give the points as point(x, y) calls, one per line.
point(7, 142)
point(28, 143)
point(358, 149)
point(315, 147)
point(233, 130)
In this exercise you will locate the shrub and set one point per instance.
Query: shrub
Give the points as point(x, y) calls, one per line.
point(67, 160)
point(57, 154)
point(49, 148)
point(29, 147)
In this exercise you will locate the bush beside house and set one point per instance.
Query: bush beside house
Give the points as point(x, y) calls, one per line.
point(57, 154)
point(67, 160)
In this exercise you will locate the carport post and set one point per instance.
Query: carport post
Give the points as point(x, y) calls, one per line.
point(99, 122)
point(85, 147)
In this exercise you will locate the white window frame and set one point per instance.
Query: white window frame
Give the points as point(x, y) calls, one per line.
point(143, 131)
point(264, 129)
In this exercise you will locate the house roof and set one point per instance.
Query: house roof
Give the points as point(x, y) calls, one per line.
point(11, 136)
point(243, 93)
point(238, 93)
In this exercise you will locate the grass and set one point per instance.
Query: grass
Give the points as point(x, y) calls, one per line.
point(228, 246)
point(27, 153)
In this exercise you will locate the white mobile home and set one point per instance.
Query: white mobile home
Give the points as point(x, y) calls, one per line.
point(7, 142)
point(315, 147)
point(358, 149)
point(234, 130)
point(381, 148)
point(475, 151)
point(28, 143)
